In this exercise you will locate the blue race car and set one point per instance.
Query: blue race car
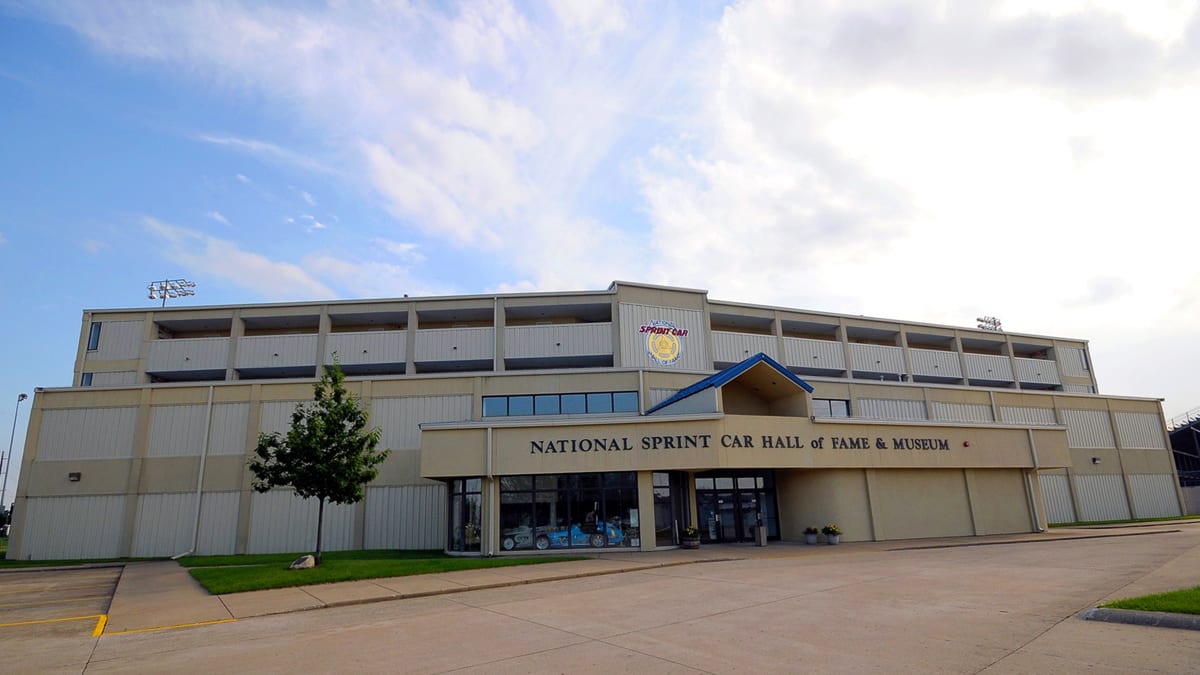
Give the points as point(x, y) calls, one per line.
point(612, 535)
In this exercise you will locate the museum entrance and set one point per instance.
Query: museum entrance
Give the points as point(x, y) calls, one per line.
point(729, 505)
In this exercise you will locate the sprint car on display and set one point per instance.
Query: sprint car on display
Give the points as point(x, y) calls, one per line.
point(563, 537)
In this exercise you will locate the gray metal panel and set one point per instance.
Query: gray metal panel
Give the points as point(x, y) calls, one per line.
point(227, 434)
point(1141, 430)
point(693, 346)
point(1072, 361)
point(1037, 370)
point(988, 367)
point(118, 378)
point(1154, 495)
point(119, 340)
point(1056, 492)
point(68, 528)
point(1079, 388)
point(406, 517)
point(704, 401)
point(736, 347)
point(659, 395)
point(1027, 415)
point(276, 416)
point(176, 430)
point(164, 524)
point(962, 412)
point(455, 344)
point(272, 351)
point(87, 433)
point(934, 363)
point(806, 353)
point(1088, 429)
point(218, 523)
point(354, 349)
point(876, 358)
point(280, 522)
point(890, 409)
point(583, 339)
point(399, 417)
point(1101, 497)
point(210, 353)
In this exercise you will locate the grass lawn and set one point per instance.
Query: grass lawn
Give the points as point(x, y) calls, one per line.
point(1186, 601)
point(1122, 522)
point(238, 573)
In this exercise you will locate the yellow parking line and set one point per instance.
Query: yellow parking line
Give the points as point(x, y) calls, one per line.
point(56, 589)
point(181, 625)
point(67, 618)
point(100, 623)
point(53, 602)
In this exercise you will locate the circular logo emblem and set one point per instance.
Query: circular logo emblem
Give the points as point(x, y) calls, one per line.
point(663, 341)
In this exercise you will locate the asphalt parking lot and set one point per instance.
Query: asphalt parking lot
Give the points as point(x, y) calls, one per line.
point(55, 603)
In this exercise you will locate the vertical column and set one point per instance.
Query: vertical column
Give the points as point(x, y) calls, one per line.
point(133, 485)
point(410, 341)
point(246, 494)
point(777, 329)
point(149, 332)
point(1012, 363)
point(498, 323)
point(845, 340)
point(646, 524)
point(962, 359)
point(323, 326)
point(1120, 445)
point(907, 361)
point(237, 328)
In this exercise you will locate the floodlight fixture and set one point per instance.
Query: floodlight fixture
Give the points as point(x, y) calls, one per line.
point(988, 323)
point(171, 288)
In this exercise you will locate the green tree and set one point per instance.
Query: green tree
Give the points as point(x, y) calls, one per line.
point(328, 453)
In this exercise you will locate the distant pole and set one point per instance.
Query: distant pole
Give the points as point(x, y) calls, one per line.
point(170, 288)
point(7, 461)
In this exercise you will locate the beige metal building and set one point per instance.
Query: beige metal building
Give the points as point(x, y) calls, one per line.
point(562, 420)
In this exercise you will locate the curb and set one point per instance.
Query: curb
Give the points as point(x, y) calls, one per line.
point(1137, 617)
point(1034, 541)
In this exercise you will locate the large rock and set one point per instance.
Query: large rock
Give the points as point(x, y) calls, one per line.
point(304, 562)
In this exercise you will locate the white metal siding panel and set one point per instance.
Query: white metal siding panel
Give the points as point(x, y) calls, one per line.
point(736, 347)
point(694, 345)
point(164, 524)
point(1154, 495)
point(962, 412)
point(280, 522)
point(188, 354)
point(455, 344)
point(659, 395)
point(1037, 370)
point(585, 339)
point(934, 363)
point(704, 401)
point(806, 353)
point(1071, 359)
point(1101, 497)
point(176, 430)
point(406, 517)
point(1079, 388)
point(876, 358)
point(1056, 492)
point(988, 367)
point(227, 435)
point(399, 417)
point(119, 340)
point(268, 351)
point(1088, 429)
point(87, 433)
point(364, 348)
point(117, 378)
point(1027, 415)
point(276, 416)
point(218, 523)
point(68, 528)
point(891, 409)
point(1140, 430)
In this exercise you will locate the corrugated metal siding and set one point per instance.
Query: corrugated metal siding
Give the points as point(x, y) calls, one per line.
point(67, 528)
point(934, 363)
point(584, 339)
point(282, 523)
point(1079, 388)
point(988, 367)
point(1027, 415)
point(407, 517)
point(1056, 492)
point(659, 395)
point(218, 523)
point(87, 433)
point(736, 347)
point(876, 358)
point(276, 416)
point(399, 417)
point(118, 378)
point(807, 353)
point(164, 524)
point(1088, 429)
point(188, 354)
point(455, 344)
point(694, 355)
point(228, 430)
point(176, 430)
point(366, 347)
point(962, 412)
point(268, 351)
point(1154, 495)
point(1071, 361)
point(891, 409)
point(118, 340)
point(1101, 497)
point(1037, 370)
point(1140, 430)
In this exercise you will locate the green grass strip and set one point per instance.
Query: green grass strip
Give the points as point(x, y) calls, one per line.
point(1083, 523)
point(1186, 601)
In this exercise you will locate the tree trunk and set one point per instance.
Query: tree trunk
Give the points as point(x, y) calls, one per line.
point(320, 519)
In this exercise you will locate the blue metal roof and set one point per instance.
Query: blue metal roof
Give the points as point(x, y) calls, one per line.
point(731, 373)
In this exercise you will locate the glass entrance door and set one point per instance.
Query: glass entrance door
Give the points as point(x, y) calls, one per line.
point(729, 505)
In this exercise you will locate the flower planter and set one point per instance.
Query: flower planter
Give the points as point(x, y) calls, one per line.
point(832, 539)
point(810, 539)
point(690, 543)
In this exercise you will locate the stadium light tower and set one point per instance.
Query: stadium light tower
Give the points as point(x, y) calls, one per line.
point(7, 460)
point(171, 288)
point(988, 323)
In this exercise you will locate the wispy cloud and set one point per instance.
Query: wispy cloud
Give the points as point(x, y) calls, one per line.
point(93, 246)
point(3, 241)
point(217, 216)
point(243, 179)
point(405, 251)
point(265, 151)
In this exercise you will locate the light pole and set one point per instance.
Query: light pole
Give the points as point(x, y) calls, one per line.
point(170, 288)
point(8, 459)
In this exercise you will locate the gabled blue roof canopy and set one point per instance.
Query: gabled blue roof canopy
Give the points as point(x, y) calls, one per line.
point(728, 375)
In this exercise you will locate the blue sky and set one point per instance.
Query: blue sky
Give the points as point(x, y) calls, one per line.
point(1029, 160)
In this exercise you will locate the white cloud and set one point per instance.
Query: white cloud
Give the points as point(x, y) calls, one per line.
point(3, 241)
point(217, 216)
point(265, 150)
point(243, 179)
point(308, 199)
point(92, 246)
point(406, 252)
